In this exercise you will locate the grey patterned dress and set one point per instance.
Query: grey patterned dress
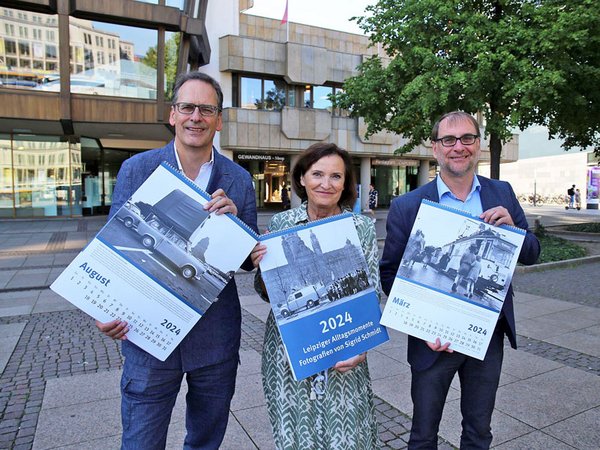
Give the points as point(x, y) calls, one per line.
point(344, 417)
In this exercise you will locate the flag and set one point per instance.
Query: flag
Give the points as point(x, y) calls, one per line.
point(285, 14)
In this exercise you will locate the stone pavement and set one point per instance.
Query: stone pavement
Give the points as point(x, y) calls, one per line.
point(59, 383)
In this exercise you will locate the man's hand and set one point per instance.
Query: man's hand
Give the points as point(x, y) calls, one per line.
point(498, 215)
point(116, 329)
point(349, 364)
point(438, 347)
point(220, 203)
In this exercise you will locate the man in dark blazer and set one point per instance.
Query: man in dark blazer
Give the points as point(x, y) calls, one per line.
point(456, 147)
point(208, 355)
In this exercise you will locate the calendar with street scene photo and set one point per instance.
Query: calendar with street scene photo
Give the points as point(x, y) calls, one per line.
point(159, 262)
point(325, 305)
point(453, 278)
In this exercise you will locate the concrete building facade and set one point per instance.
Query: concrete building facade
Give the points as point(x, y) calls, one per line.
point(67, 123)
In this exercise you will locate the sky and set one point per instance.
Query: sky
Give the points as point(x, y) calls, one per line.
point(333, 14)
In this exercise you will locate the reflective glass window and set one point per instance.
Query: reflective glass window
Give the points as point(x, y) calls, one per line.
point(174, 3)
point(251, 93)
point(320, 97)
point(25, 59)
point(256, 93)
point(43, 181)
point(172, 41)
point(6, 177)
point(108, 59)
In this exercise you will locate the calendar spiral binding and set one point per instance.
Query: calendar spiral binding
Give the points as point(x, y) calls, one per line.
point(307, 225)
point(466, 214)
point(206, 196)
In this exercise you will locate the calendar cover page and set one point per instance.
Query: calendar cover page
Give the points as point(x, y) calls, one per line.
point(453, 279)
point(159, 263)
point(319, 289)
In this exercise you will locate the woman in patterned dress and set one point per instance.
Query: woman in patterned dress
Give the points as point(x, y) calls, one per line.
point(332, 410)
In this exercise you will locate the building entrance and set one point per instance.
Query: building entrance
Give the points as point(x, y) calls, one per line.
point(271, 176)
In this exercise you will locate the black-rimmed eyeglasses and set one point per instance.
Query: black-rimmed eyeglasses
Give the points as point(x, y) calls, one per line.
point(204, 110)
point(465, 139)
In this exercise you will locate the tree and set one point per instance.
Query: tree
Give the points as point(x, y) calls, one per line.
point(513, 61)
point(171, 57)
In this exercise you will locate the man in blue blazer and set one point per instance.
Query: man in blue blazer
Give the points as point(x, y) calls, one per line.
point(456, 147)
point(208, 355)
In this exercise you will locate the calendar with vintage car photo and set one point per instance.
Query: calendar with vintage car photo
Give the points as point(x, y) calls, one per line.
point(453, 278)
point(325, 305)
point(159, 262)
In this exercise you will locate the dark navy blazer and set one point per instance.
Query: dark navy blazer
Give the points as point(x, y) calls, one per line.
point(400, 221)
point(216, 337)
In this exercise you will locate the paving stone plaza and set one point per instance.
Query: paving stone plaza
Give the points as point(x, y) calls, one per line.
point(59, 386)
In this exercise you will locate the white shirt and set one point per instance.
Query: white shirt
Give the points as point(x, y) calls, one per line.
point(205, 171)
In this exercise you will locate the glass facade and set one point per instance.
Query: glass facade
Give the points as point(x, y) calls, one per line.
point(260, 93)
point(43, 176)
point(105, 59)
point(108, 59)
point(271, 176)
point(28, 48)
point(318, 97)
point(393, 178)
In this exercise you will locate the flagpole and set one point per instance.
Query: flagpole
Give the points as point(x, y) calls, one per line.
point(286, 21)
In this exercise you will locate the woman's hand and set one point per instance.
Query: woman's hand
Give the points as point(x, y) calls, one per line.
point(349, 364)
point(257, 254)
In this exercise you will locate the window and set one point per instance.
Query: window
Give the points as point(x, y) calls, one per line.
point(24, 48)
point(37, 34)
point(318, 97)
point(256, 93)
point(99, 71)
point(50, 36)
point(10, 46)
point(88, 57)
point(51, 51)
point(23, 32)
point(9, 28)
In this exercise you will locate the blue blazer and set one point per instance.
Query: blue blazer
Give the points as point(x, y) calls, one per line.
point(216, 337)
point(400, 220)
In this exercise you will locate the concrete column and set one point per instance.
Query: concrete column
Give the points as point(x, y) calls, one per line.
point(365, 179)
point(423, 174)
point(294, 199)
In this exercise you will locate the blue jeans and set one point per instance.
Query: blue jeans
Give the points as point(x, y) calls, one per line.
point(478, 384)
point(148, 396)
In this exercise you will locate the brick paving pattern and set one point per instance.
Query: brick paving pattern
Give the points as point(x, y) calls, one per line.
point(67, 343)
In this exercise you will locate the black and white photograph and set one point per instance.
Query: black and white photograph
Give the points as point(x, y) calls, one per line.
point(309, 269)
point(168, 235)
point(465, 257)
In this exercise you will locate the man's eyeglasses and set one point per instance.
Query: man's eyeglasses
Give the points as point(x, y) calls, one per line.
point(204, 110)
point(465, 139)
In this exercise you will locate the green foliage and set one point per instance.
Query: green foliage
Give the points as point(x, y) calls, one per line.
point(171, 57)
point(558, 249)
point(514, 61)
point(592, 227)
